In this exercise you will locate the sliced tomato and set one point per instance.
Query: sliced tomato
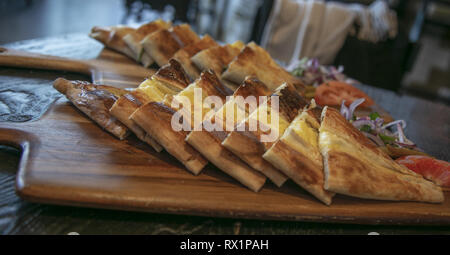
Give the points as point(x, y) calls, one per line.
point(333, 92)
point(432, 169)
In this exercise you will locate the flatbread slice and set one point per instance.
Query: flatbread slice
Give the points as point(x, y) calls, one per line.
point(94, 101)
point(247, 144)
point(168, 80)
point(208, 143)
point(163, 44)
point(184, 55)
point(156, 119)
point(184, 34)
point(217, 58)
point(133, 40)
point(297, 154)
point(353, 168)
point(255, 61)
point(112, 37)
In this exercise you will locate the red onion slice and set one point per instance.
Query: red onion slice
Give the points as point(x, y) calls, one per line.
point(374, 138)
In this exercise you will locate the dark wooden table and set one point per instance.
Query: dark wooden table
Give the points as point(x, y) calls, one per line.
point(25, 94)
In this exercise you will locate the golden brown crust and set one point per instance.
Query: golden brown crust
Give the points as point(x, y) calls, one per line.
point(307, 173)
point(315, 113)
point(173, 75)
point(211, 85)
point(155, 119)
point(207, 144)
point(353, 166)
point(350, 176)
point(184, 55)
point(247, 144)
point(333, 121)
point(112, 37)
point(125, 106)
point(290, 105)
point(149, 28)
point(246, 147)
point(215, 58)
point(299, 158)
point(290, 101)
point(161, 46)
point(193, 48)
point(252, 87)
point(184, 34)
point(133, 40)
point(95, 101)
point(255, 61)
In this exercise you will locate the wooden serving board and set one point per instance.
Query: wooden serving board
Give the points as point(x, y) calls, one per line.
point(108, 68)
point(67, 159)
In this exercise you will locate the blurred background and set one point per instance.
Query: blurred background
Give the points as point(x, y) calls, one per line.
point(400, 45)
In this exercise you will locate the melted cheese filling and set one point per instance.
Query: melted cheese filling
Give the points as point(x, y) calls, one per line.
point(189, 93)
point(220, 117)
point(238, 45)
point(279, 127)
point(155, 90)
point(302, 135)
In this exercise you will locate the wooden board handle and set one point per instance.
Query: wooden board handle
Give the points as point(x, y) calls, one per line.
point(16, 58)
point(26, 143)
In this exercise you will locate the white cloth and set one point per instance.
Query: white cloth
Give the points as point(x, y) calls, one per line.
point(315, 29)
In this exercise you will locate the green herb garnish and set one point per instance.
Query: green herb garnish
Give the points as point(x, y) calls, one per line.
point(374, 115)
point(387, 139)
point(365, 128)
point(297, 72)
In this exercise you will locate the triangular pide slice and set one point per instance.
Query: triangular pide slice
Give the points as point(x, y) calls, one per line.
point(112, 37)
point(298, 156)
point(133, 40)
point(217, 58)
point(354, 166)
point(257, 62)
point(94, 101)
point(208, 142)
point(247, 143)
point(156, 119)
point(163, 44)
point(168, 80)
point(184, 55)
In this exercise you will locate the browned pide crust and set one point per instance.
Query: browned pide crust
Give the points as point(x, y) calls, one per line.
point(112, 37)
point(95, 101)
point(172, 76)
point(133, 40)
point(208, 143)
point(351, 167)
point(247, 144)
point(184, 34)
point(184, 55)
point(336, 123)
point(210, 83)
point(215, 58)
point(255, 61)
point(155, 119)
point(299, 158)
point(163, 44)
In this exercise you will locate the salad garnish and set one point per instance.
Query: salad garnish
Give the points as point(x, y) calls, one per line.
point(375, 129)
point(312, 73)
